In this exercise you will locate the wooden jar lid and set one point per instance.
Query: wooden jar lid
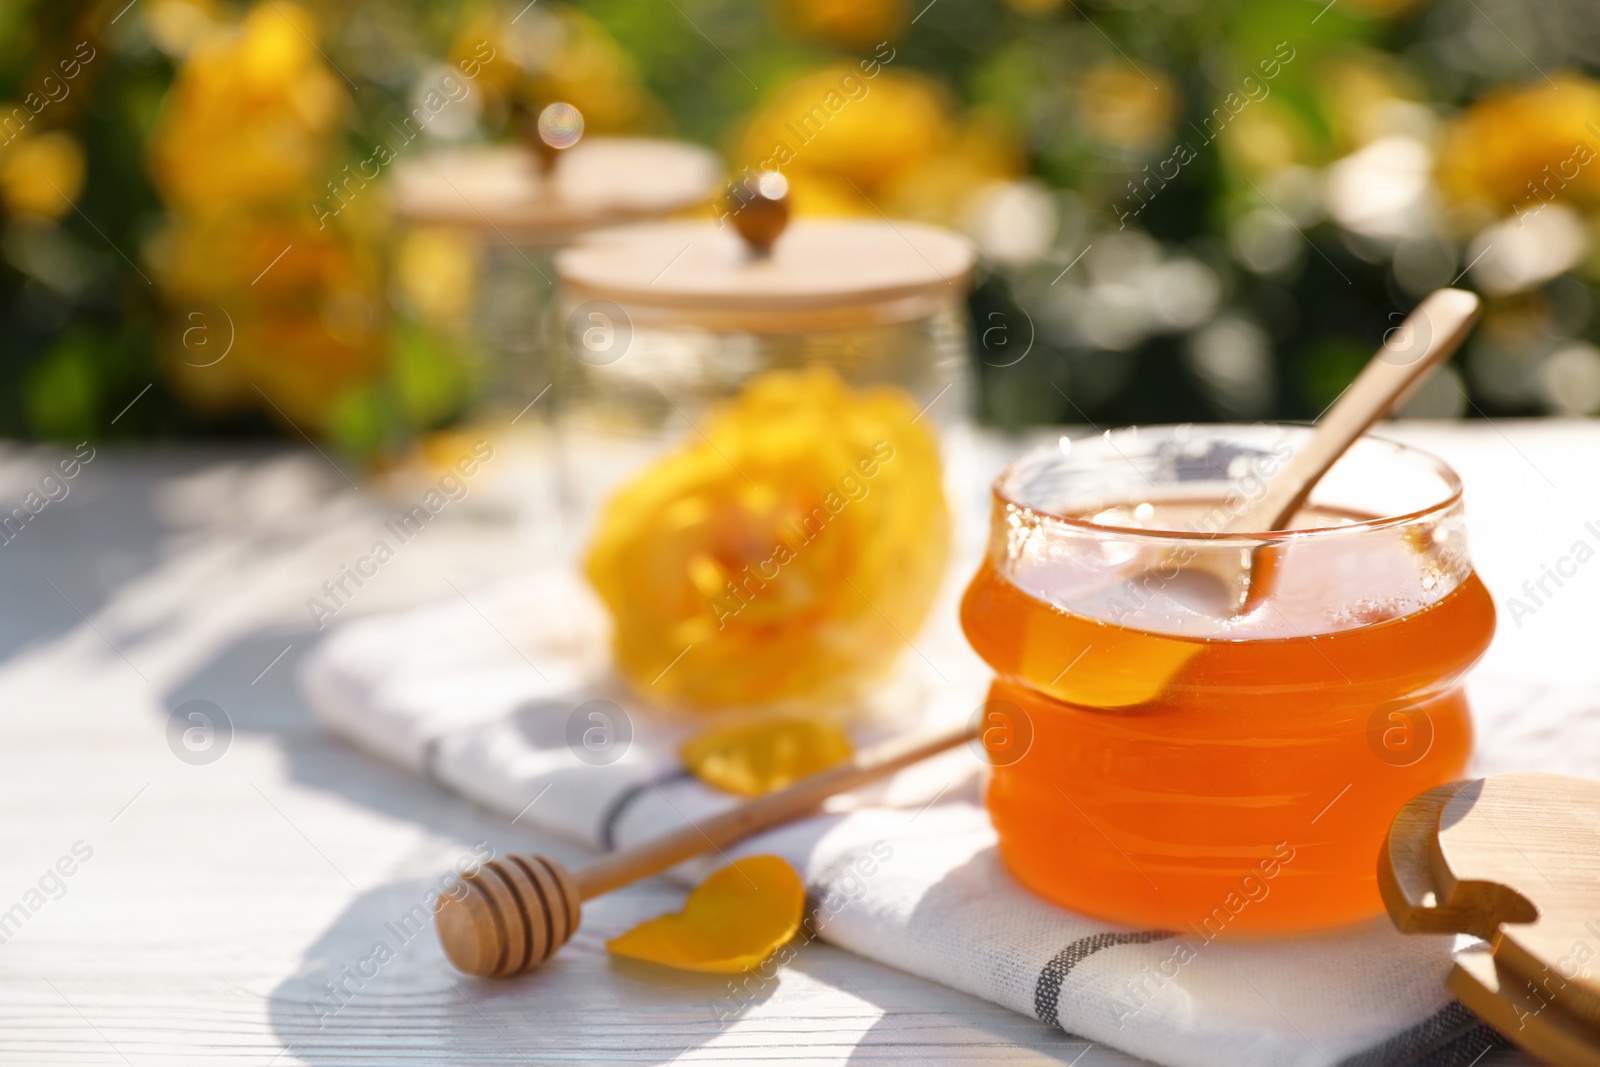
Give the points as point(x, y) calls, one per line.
point(819, 274)
point(601, 181)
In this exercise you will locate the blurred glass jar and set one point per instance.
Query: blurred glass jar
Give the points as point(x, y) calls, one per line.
point(522, 210)
point(478, 229)
point(661, 320)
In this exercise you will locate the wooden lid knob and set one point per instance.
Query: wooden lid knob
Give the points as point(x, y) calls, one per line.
point(760, 210)
point(514, 914)
point(557, 128)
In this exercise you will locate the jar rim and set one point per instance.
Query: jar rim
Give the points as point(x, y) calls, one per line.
point(1451, 481)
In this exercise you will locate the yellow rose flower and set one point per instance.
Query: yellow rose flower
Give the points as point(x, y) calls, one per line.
point(250, 118)
point(1358, 91)
point(941, 189)
point(849, 23)
point(781, 556)
point(540, 55)
point(178, 25)
point(305, 334)
point(1121, 104)
point(1266, 137)
point(436, 269)
point(271, 305)
point(838, 121)
point(860, 138)
point(41, 174)
point(1518, 146)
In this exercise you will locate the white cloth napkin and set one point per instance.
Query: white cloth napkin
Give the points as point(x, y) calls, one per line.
point(491, 695)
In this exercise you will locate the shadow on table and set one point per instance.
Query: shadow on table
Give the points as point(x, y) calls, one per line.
point(375, 986)
point(68, 559)
point(268, 702)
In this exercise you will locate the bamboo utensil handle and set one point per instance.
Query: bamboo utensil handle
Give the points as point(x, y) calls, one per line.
point(761, 813)
point(1410, 352)
point(1230, 582)
point(518, 910)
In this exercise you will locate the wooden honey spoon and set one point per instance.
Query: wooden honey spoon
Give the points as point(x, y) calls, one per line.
point(1230, 582)
point(518, 910)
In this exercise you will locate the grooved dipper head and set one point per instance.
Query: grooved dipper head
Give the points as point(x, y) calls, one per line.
point(515, 913)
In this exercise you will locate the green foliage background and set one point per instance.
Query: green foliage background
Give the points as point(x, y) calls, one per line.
point(80, 319)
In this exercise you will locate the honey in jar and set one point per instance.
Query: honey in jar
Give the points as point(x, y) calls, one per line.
point(1214, 773)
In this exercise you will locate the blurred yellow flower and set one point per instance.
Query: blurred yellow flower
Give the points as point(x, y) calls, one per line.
point(751, 758)
point(1124, 105)
point(242, 150)
point(731, 922)
point(299, 305)
point(859, 138)
point(1361, 93)
point(251, 116)
point(41, 174)
point(436, 270)
point(842, 122)
point(782, 556)
point(178, 25)
point(848, 23)
point(1523, 145)
point(942, 188)
point(1265, 138)
point(549, 53)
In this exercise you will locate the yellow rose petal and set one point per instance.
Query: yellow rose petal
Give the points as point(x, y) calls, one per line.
point(754, 758)
point(730, 923)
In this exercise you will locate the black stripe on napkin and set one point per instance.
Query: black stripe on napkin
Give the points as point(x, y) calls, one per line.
point(1450, 1037)
point(625, 799)
point(1047, 993)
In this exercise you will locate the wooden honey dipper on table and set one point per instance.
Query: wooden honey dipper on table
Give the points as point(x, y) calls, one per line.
point(518, 910)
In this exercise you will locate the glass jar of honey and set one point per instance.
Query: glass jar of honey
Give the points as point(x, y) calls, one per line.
point(1214, 771)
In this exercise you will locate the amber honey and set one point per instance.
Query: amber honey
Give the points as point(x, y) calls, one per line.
point(1222, 776)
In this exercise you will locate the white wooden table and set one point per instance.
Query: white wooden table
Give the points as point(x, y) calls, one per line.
point(217, 900)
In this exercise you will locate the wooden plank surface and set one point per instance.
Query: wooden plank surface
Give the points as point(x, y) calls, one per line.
point(218, 900)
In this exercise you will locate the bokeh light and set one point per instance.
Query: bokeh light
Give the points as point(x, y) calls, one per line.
point(560, 125)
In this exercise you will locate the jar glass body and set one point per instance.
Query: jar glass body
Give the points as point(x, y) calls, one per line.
point(1196, 769)
point(631, 384)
